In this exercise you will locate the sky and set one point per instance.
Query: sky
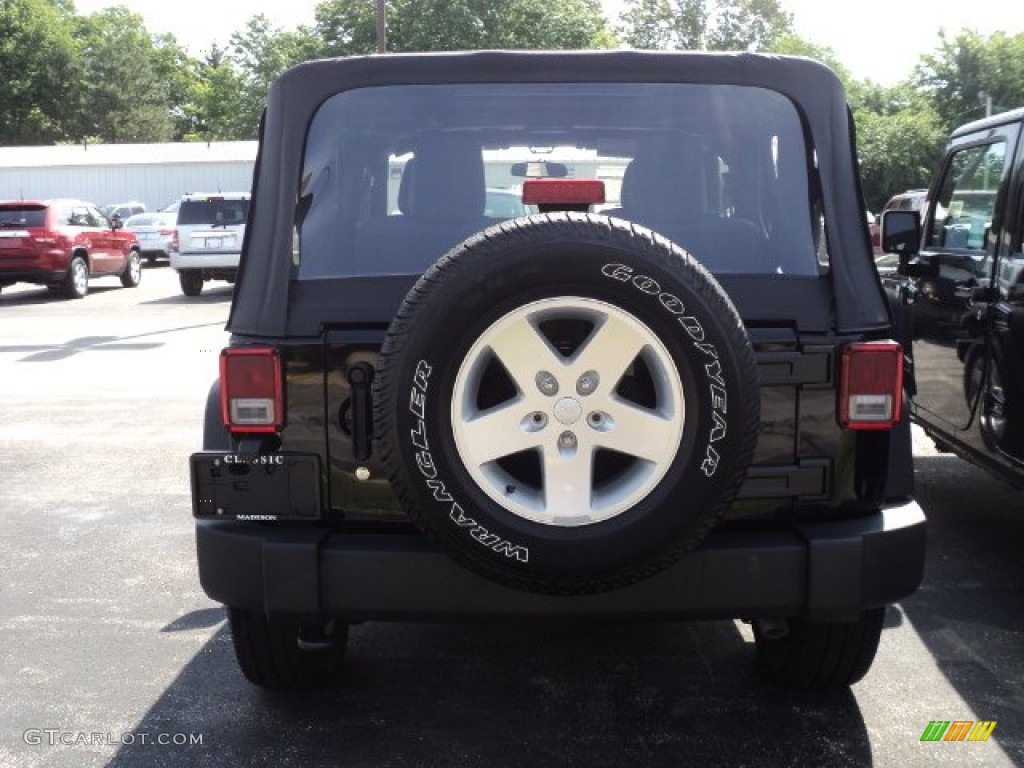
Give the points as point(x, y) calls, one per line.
point(879, 40)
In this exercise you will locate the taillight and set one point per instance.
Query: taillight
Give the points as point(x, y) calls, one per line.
point(174, 240)
point(169, 233)
point(870, 385)
point(251, 389)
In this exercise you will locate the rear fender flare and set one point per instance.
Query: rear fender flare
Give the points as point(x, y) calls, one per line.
point(215, 437)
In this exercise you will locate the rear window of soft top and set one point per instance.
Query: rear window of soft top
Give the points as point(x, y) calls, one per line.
point(394, 176)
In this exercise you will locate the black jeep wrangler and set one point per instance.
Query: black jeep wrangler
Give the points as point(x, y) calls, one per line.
point(957, 266)
point(539, 335)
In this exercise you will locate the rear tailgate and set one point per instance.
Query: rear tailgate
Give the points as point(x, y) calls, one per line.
point(22, 227)
point(795, 360)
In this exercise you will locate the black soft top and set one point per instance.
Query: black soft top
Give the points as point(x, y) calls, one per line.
point(262, 297)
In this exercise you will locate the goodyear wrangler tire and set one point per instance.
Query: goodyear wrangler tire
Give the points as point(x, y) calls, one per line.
point(566, 403)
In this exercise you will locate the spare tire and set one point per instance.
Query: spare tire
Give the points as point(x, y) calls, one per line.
point(566, 403)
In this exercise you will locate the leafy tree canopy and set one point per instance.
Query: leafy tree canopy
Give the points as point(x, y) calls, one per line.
point(347, 27)
point(104, 77)
point(122, 97)
point(966, 71)
point(714, 25)
point(37, 62)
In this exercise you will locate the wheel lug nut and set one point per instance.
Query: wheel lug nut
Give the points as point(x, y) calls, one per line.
point(587, 383)
point(567, 440)
point(546, 383)
point(534, 422)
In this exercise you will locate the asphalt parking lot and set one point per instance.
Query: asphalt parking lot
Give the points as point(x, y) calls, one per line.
point(112, 655)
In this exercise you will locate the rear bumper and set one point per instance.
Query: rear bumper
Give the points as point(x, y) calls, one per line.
point(31, 275)
point(817, 571)
point(205, 260)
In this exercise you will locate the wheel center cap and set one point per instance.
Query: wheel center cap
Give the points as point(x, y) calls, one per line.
point(568, 410)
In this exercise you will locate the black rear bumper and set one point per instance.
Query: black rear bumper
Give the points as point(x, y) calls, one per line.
point(36, 276)
point(822, 571)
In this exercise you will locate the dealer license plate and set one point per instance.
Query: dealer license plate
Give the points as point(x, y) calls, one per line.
point(276, 486)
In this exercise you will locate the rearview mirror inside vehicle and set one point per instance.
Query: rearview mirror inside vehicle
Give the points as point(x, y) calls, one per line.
point(539, 169)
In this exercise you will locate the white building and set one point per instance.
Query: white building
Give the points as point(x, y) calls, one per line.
point(155, 174)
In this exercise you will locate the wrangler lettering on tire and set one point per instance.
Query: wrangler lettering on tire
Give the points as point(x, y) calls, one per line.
point(576, 415)
point(428, 469)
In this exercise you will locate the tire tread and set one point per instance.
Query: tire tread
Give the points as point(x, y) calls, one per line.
point(269, 656)
point(822, 656)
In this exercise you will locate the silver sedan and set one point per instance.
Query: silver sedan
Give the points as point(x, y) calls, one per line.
point(155, 232)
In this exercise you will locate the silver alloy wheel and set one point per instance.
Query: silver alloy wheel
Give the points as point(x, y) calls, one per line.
point(135, 267)
point(79, 276)
point(567, 410)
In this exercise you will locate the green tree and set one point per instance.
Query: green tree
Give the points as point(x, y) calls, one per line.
point(748, 25)
point(665, 24)
point(964, 72)
point(260, 52)
point(122, 96)
point(216, 101)
point(37, 67)
point(719, 25)
point(900, 140)
point(897, 152)
point(347, 27)
point(179, 72)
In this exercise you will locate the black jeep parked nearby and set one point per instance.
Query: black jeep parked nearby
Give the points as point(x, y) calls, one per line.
point(672, 393)
point(960, 277)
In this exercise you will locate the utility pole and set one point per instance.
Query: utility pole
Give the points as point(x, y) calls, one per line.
point(382, 28)
point(986, 100)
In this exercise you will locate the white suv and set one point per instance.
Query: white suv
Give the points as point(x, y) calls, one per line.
point(209, 238)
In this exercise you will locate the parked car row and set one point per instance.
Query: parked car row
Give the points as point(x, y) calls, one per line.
point(63, 243)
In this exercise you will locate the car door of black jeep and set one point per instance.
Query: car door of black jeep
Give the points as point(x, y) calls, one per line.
point(953, 311)
point(1001, 410)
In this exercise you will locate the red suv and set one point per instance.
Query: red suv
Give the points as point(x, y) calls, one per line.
point(61, 243)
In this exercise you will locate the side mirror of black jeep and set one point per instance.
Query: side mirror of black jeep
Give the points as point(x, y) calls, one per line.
point(901, 234)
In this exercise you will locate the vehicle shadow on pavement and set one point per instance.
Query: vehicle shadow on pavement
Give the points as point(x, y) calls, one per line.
point(46, 296)
point(591, 694)
point(44, 353)
point(208, 296)
point(969, 612)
